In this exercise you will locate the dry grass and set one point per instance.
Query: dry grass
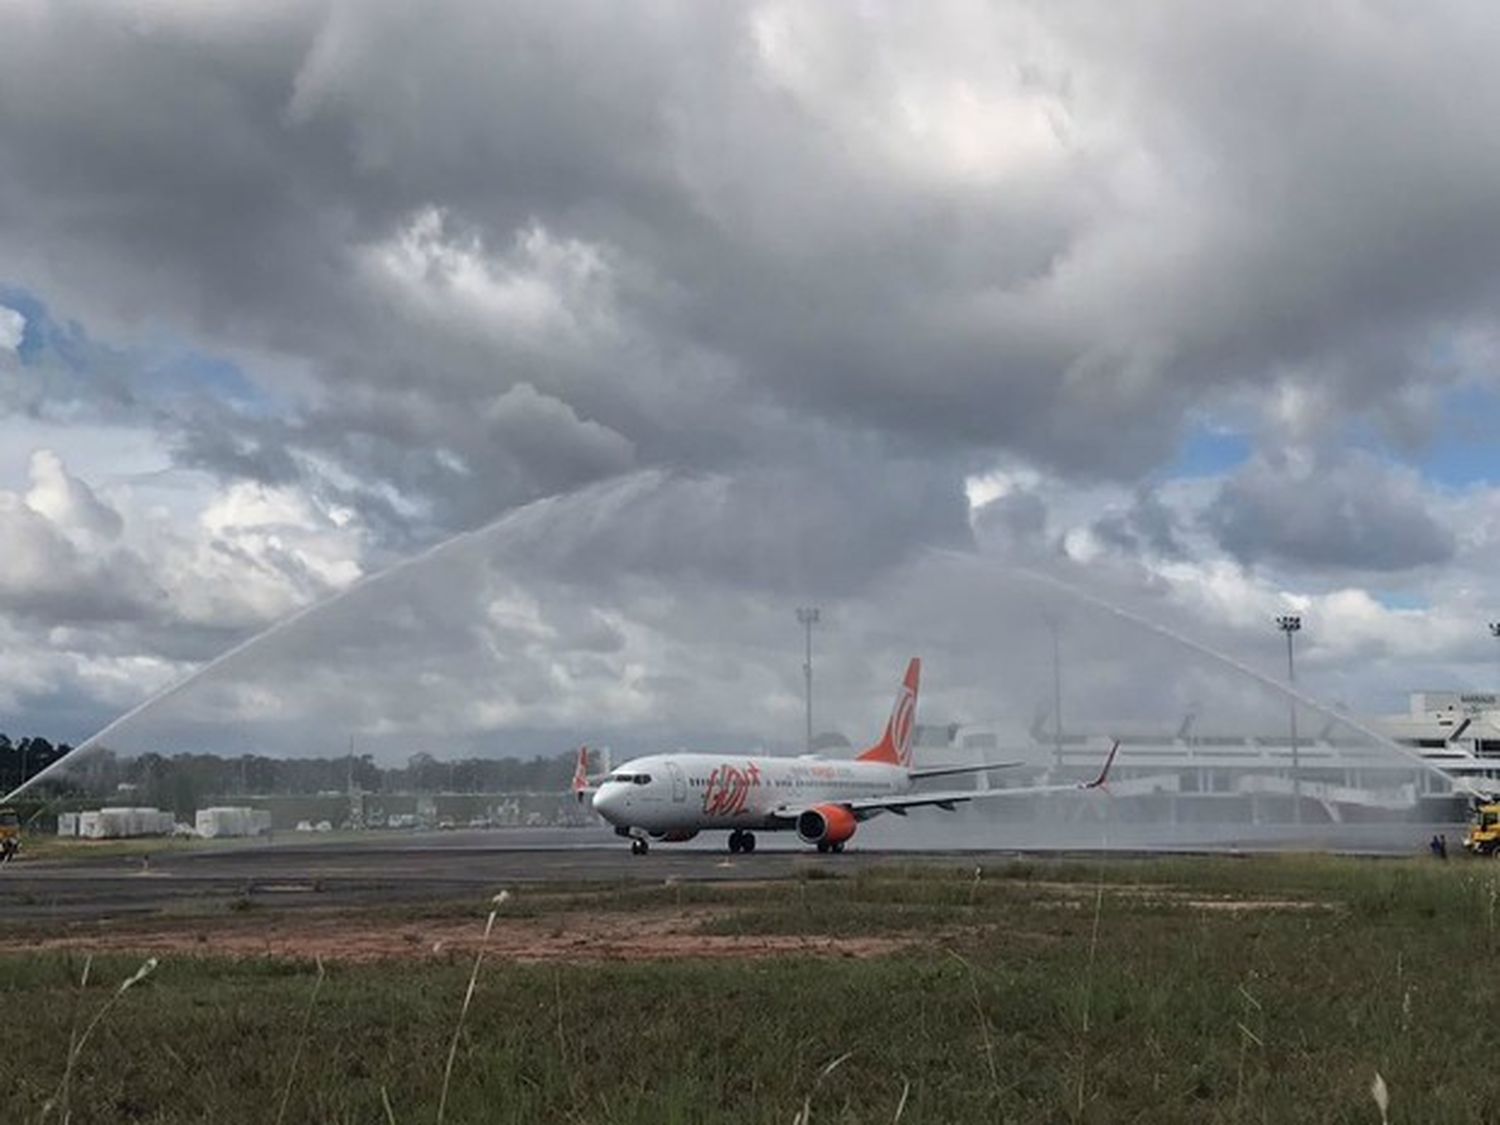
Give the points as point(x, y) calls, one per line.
point(986, 1009)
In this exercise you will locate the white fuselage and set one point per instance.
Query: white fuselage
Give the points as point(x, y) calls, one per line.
point(685, 793)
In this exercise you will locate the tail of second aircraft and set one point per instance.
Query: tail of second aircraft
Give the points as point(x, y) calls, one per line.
point(894, 746)
point(581, 774)
point(584, 783)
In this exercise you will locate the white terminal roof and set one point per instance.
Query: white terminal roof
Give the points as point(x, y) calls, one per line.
point(1457, 732)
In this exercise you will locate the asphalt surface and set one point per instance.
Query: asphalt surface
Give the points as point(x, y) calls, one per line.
point(380, 870)
point(375, 869)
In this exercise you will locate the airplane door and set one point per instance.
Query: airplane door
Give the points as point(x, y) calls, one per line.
point(679, 783)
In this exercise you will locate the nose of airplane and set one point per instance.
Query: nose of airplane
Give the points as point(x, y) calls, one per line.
point(607, 803)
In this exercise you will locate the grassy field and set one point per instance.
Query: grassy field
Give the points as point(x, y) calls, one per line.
point(1269, 989)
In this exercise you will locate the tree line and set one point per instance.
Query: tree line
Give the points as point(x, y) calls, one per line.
point(186, 781)
point(23, 757)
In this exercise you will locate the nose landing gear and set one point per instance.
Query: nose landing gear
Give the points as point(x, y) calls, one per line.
point(742, 841)
point(639, 845)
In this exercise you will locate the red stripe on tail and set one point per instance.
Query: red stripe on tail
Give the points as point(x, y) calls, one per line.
point(894, 746)
point(581, 773)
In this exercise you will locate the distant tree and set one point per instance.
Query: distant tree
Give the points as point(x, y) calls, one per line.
point(423, 772)
point(186, 780)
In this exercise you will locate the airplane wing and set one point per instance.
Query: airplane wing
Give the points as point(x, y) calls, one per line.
point(948, 771)
point(865, 807)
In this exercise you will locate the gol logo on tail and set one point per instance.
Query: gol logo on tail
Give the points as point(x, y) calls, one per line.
point(729, 788)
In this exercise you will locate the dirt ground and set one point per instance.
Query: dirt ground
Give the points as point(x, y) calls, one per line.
point(572, 936)
point(580, 937)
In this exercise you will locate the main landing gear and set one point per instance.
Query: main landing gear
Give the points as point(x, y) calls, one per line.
point(639, 845)
point(825, 847)
point(742, 841)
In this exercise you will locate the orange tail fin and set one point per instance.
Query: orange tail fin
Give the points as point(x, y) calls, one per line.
point(894, 746)
point(581, 773)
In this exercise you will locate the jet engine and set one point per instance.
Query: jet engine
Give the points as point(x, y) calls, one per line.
point(826, 825)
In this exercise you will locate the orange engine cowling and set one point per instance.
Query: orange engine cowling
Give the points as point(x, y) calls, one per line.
point(826, 824)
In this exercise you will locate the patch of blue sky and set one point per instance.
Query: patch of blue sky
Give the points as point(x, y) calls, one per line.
point(189, 374)
point(1463, 450)
point(158, 372)
point(42, 334)
point(1408, 600)
point(1209, 451)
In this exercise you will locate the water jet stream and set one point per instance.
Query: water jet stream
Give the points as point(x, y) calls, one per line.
point(1184, 641)
point(1312, 704)
point(627, 485)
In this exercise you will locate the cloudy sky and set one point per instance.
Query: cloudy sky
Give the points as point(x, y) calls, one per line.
point(863, 306)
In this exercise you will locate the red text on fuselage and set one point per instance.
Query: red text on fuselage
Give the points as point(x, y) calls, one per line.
point(729, 788)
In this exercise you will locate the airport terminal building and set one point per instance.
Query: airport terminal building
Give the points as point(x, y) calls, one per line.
point(1425, 766)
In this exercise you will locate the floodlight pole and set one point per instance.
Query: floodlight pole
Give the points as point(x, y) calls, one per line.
point(1495, 630)
point(1290, 623)
point(808, 617)
point(1056, 694)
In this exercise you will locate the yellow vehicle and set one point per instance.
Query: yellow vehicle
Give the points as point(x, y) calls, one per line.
point(1483, 837)
point(10, 834)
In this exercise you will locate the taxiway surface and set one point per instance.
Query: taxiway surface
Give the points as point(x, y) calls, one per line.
point(83, 883)
point(380, 870)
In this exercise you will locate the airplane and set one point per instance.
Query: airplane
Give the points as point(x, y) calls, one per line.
point(673, 797)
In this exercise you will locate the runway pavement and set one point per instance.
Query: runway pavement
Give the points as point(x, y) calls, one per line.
point(83, 884)
point(380, 869)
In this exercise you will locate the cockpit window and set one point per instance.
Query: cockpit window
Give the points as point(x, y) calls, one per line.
point(643, 779)
point(631, 778)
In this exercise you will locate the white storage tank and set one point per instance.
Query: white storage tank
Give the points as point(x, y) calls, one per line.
point(114, 823)
point(120, 823)
point(153, 822)
point(232, 820)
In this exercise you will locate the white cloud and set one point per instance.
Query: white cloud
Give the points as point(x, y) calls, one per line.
point(108, 600)
point(542, 286)
point(69, 503)
point(265, 551)
point(12, 327)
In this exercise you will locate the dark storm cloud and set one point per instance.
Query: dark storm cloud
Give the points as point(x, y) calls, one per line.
point(1349, 514)
point(234, 445)
point(772, 529)
point(791, 208)
point(1147, 524)
point(468, 464)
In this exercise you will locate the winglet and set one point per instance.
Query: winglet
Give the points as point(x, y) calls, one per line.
point(581, 774)
point(1098, 782)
